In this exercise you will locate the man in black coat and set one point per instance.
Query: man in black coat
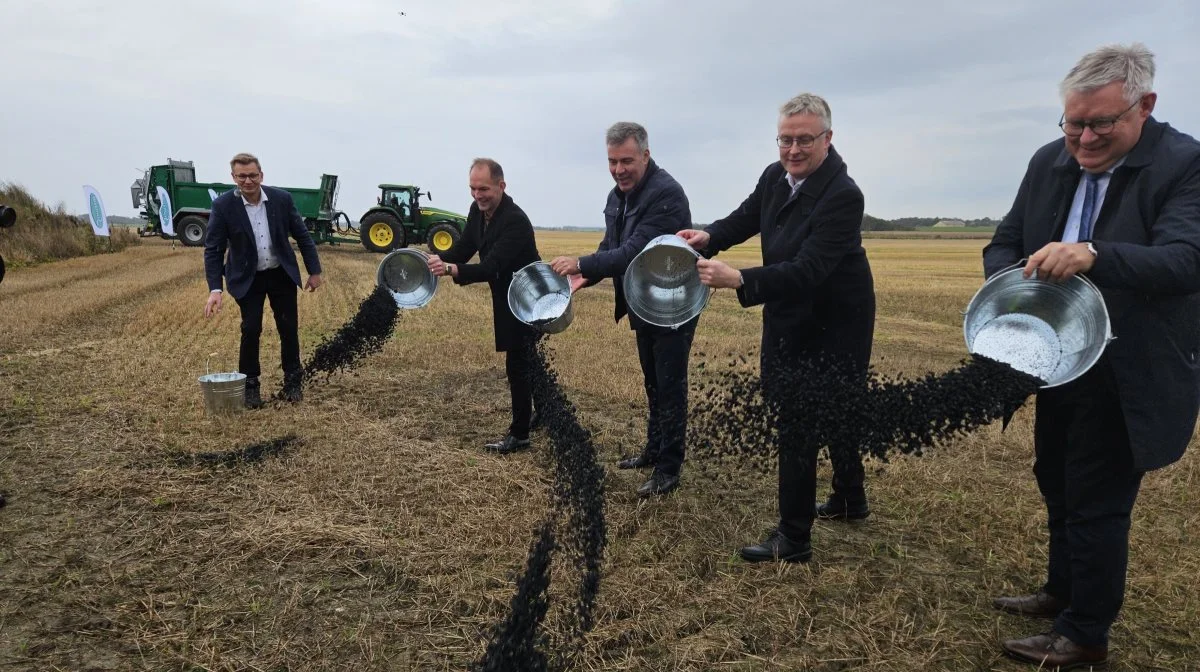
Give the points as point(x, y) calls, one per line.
point(646, 203)
point(253, 223)
point(1117, 198)
point(819, 309)
point(498, 229)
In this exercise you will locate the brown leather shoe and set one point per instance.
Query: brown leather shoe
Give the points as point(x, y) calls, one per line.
point(1053, 651)
point(1038, 605)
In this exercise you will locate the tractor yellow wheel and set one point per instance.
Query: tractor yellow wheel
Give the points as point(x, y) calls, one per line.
point(381, 234)
point(443, 241)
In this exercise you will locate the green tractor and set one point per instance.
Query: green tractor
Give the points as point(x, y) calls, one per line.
point(399, 220)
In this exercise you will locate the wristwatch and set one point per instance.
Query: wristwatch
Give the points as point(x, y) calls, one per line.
point(1092, 248)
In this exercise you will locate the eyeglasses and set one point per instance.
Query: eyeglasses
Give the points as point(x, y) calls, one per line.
point(242, 177)
point(801, 141)
point(1102, 126)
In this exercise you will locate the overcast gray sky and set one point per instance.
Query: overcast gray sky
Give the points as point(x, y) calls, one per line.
point(937, 106)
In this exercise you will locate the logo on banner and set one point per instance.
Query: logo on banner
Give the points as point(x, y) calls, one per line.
point(96, 214)
point(164, 212)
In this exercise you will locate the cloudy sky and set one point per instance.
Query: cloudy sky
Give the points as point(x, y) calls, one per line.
point(937, 106)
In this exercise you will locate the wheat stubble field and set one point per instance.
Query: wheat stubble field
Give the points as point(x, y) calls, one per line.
point(386, 539)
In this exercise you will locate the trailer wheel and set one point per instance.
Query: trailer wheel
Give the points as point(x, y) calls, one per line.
point(381, 232)
point(191, 230)
point(443, 236)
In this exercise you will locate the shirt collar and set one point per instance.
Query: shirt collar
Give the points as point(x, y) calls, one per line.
point(262, 197)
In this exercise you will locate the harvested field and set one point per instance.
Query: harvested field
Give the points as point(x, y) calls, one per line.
point(376, 534)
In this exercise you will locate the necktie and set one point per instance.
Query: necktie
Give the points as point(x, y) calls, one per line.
point(1089, 205)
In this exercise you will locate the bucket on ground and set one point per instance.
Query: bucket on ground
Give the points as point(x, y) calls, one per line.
point(662, 285)
point(1055, 331)
point(406, 275)
point(541, 298)
point(223, 392)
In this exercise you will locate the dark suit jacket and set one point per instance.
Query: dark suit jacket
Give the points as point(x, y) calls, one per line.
point(505, 246)
point(655, 207)
point(815, 281)
point(1147, 237)
point(229, 228)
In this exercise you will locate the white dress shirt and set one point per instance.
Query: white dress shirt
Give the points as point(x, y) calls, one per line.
point(262, 231)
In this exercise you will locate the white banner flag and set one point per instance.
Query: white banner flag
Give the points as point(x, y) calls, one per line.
point(164, 212)
point(96, 214)
point(212, 194)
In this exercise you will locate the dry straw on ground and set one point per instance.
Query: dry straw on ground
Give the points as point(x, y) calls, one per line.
point(388, 540)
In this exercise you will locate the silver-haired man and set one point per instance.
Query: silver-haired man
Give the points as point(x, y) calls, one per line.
point(1118, 198)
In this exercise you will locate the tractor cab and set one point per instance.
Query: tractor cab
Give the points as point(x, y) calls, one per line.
point(401, 200)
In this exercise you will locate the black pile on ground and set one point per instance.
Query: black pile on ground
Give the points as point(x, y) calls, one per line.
point(365, 334)
point(814, 404)
point(251, 454)
point(577, 503)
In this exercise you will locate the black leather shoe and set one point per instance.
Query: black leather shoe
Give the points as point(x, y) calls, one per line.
point(659, 484)
point(778, 547)
point(509, 444)
point(1052, 651)
point(535, 422)
point(638, 462)
point(1038, 605)
point(253, 394)
point(836, 508)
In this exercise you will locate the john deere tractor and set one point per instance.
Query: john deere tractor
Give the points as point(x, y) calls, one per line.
point(400, 220)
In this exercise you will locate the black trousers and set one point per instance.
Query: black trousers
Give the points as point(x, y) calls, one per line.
point(517, 361)
point(1084, 469)
point(275, 284)
point(785, 370)
point(663, 354)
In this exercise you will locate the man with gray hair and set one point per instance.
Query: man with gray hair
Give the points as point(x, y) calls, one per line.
point(646, 203)
point(1117, 198)
point(818, 298)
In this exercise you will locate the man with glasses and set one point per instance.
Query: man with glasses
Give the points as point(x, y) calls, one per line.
point(253, 223)
point(1117, 198)
point(819, 307)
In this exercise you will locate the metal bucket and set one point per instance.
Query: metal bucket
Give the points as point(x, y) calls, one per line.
point(406, 275)
point(1055, 331)
point(662, 285)
point(541, 298)
point(223, 392)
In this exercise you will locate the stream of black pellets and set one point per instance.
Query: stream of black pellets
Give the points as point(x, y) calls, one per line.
point(364, 334)
point(809, 405)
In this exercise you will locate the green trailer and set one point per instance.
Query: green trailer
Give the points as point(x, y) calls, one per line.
point(191, 203)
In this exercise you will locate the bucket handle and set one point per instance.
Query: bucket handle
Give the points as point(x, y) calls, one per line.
point(206, 360)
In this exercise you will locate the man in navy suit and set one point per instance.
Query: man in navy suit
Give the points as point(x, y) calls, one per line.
point(253, 223)
point(1118, 198)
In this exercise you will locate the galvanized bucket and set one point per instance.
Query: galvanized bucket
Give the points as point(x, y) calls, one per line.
point(662, 285)
point(223, 392)
point(406, 275)
point(1053, 330)
point(541, 298)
